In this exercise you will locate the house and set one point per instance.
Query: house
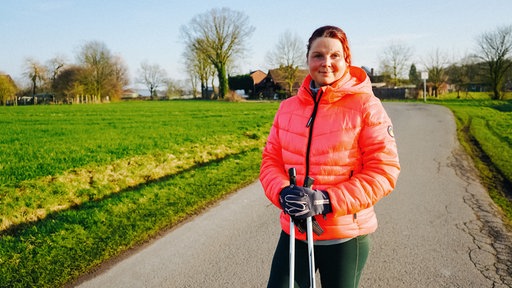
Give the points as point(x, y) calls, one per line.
point(377, 80)
point(246, 84)
point(129, 94)
point(275, 86)
point(258, 76)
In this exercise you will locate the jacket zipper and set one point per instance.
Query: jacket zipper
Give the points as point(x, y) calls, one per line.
point(310, 125)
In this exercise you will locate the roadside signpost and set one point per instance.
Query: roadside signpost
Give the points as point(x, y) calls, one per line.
point(424, 77)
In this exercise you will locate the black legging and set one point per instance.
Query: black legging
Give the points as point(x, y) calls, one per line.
point(340, 265)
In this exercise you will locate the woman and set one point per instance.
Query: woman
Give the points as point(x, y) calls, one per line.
point(338, 133)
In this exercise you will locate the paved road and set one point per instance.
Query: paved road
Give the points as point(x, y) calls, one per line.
point(437, 229)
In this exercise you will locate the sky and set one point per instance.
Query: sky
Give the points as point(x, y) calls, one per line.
point(149, 31)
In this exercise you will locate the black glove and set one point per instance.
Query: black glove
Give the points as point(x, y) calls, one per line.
point(302, 202)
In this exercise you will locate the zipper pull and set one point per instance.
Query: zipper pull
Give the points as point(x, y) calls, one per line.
point(309, 121)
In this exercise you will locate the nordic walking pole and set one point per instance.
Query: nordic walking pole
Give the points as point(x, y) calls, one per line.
point(293, 174)
point(308, 182)
point(311, 250)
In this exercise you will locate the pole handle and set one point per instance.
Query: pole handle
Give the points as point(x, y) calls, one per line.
point(292, 172)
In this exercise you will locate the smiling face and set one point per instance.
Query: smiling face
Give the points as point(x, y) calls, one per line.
point(326, 61)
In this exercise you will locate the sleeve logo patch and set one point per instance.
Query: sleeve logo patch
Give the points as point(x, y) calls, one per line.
point(390, 131)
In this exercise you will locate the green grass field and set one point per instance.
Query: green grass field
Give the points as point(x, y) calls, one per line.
point(83, 183)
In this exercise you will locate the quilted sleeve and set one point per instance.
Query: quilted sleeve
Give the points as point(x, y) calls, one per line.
point(273, 176)
point(380, 164)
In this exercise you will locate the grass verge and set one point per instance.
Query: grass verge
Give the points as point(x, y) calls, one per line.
point(485, 132)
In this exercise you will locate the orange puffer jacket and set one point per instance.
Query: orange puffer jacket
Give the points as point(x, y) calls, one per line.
point(341, 137)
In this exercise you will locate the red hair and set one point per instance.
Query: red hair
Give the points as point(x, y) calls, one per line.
point(332, 32)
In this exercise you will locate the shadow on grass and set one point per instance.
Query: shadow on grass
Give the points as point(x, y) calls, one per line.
point(505, 107)
point(54, 216)
point(53, 251)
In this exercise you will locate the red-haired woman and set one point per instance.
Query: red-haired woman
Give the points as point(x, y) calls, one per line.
point(338, 133)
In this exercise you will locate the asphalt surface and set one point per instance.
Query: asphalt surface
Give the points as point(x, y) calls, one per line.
point(438, 228)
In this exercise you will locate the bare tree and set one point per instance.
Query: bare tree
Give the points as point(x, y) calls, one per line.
point(436, 64)
point(457, 75)
point(53, 67)
point(395, 61)
point(99, 77)
point(153, 76)
point(36, 73)
point(120, 78)
point(193, 81)
point(175, 88)
point(198, 67)
point(288, 55)
point(495, 49)
point(219, 35)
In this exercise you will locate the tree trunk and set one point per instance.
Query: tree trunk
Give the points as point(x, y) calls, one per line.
point(496, 93)
point(204, 90)
point(223, 81)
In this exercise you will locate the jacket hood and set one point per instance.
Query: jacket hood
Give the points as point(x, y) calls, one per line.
point(356, 81)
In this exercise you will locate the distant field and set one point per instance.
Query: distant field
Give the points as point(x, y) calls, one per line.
point(82, 183)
